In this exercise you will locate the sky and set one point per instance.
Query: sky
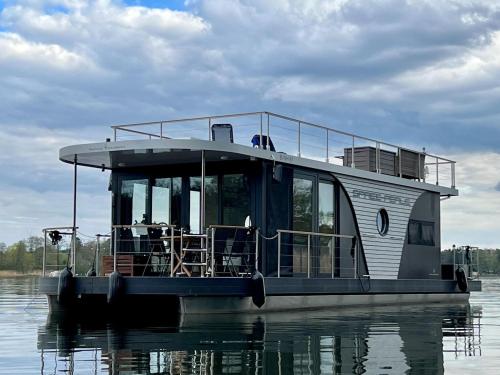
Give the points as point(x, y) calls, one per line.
point(416, 73)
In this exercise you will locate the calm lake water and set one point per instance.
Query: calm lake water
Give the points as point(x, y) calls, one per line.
point(417, 339)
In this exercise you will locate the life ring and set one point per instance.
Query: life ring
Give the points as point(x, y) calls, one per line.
point(461, 279)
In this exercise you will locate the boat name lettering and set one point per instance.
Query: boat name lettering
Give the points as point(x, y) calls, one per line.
point(284, 157)
point(381, 197)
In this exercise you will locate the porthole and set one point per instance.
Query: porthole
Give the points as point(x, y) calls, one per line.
point(382, 222)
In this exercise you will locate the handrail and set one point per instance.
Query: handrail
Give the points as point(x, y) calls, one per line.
point(300, 126)
point(315, 233)
point(284, 117)
point(332, 255)
point(72, 233)
point(140, 225)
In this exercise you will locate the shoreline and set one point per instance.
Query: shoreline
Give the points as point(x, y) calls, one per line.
point(10, 273)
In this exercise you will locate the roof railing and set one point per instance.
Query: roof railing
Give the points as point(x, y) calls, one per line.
point(307, 140)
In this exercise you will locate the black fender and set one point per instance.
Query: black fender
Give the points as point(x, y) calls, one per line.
point(461, 279)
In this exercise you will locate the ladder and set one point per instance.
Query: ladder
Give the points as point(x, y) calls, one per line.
point(194, 247)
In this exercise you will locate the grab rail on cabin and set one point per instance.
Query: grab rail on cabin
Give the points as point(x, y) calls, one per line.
point(63, 256)
point(311, 141)
point(314, 244)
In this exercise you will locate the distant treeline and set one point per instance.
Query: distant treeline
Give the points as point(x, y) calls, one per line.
point(26, 256)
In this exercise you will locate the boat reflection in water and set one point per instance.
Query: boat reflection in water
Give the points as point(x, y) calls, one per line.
point(375, 340)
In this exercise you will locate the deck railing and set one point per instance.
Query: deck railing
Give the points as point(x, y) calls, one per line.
point(299, 138)
point(222, 251)
point(315, 254)
point(61, 251)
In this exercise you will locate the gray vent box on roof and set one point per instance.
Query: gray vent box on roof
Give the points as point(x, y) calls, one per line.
point(366, 158)
point(412, 164)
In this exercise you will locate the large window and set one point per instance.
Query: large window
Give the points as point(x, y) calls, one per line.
point(302, 221)
point(160, 197)
point(326, 224)
point(134, 196)
point(211, 188)
point(421, 233)
point(235, 199)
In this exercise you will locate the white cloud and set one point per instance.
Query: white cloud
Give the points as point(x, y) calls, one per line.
point(473, 217)
point(424, 73)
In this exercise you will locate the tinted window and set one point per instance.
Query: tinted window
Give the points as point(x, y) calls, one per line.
point(421, 233)
point(235, 199)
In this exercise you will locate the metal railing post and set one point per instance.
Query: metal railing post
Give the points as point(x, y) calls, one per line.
point(356, 259)
point(279, 253)
point(453, 175)
point(400, 163)
point(437, 171)
point(419, 167)
point(115, 239)
point(213, 253)
point(261, 146)
point(377, 157)
point(44, 251)
point(308, 256)
point(257, 249)
point(172, 251)
point(114, 134)
point(268, 135)
point(209, 128)
point(332, 256)
point(161, 129)
point(353, 164)
point(299, 139)
point(327, 146)
point(97, 252)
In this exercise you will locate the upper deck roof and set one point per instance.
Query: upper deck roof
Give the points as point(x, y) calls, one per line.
point(296, 142)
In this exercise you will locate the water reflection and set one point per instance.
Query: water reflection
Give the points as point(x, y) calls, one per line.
point(377, 340)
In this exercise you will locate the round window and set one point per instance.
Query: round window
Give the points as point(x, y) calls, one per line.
point(383, 222)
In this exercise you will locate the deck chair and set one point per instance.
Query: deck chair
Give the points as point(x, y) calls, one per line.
point(222, 133)
point(256, 142)
point(237, 253)
point(155, 245)
point(220, 247)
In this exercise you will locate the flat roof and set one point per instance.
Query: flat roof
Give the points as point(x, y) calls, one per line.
point(139, 153)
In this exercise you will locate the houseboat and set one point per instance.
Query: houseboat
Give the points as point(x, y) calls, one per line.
point(258, 212)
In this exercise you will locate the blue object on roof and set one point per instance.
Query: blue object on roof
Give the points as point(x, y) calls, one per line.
point(256, 142)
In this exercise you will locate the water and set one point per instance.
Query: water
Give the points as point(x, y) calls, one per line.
point(414, 339)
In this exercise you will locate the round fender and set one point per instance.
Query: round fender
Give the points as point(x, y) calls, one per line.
point(65, 287)
point(258, 289)
point(116, 288)
point(461, 279)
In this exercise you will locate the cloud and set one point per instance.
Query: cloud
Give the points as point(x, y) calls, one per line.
point(420, 73)
point(497, 187)
point(472, 217)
